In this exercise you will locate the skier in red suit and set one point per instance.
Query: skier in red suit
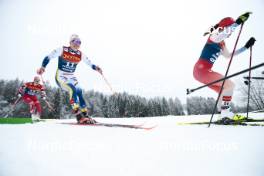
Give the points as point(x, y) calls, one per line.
point(214, 47)
point(28, 92)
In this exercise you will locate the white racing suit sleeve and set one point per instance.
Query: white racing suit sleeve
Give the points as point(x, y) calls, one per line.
point(225, 52)
point(88, 61)
point(54, 54)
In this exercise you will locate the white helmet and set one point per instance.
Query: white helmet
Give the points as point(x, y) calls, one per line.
point(74, 37)
point(36, 79)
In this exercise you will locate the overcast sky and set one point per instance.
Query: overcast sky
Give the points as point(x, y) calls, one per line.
point(145, 47)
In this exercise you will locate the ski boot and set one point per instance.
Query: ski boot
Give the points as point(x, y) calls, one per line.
point(235, 120)
point(82, 117)
point(86, 118)
point(239, 118)
point(78, 114)
point(226, 116)
point(225, 121)
point(35, 117)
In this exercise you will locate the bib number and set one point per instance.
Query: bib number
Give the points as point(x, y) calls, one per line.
point(69, 64)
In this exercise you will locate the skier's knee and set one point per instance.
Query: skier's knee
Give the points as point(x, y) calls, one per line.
point(229, 85)
point(73, 88)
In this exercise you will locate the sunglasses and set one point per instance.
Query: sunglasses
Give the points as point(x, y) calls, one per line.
point(76, 41)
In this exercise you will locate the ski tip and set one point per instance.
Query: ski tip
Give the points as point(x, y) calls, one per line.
point(150, 128)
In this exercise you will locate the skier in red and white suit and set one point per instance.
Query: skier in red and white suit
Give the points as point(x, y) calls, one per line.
point(214, 47)
point(28, 92)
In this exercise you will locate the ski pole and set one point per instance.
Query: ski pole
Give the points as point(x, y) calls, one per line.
point(47, 103)
point(227, 77)
point(254, 77)
point(17, 100)
point(13, 107)
point(42, 80)
point(229, 64)
point(108, 84)
point(249, 79)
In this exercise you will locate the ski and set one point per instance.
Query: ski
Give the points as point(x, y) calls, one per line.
point(234, 124)
point(101, 124)
point(245, 122)
point(258, 111)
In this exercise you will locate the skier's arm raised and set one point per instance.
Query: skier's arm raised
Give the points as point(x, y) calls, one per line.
point(242, 18)
point(225, 52)
point(250, 43)
point(223, 33)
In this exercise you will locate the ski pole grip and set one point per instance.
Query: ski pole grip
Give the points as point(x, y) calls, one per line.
point(188, 91)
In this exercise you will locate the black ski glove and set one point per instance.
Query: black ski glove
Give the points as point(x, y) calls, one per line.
point(247, 82)
point(250, 42)
point(242, 18)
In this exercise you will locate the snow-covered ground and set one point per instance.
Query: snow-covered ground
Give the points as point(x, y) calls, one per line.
point(52, 149)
